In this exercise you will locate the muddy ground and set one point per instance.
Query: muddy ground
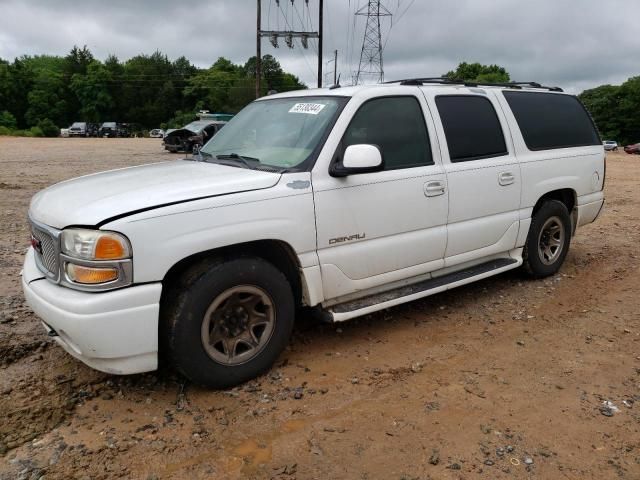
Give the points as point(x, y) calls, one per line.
point(503, 379)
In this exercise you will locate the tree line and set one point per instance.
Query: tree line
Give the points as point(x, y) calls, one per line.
point(40, 93)
point(616, 110)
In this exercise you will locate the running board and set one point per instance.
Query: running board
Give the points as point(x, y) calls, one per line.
point(380, 301)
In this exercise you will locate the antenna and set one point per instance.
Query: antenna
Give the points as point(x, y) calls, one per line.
point(371, 54)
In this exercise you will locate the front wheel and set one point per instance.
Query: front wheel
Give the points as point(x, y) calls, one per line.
point(227, 321)
point(548, 241)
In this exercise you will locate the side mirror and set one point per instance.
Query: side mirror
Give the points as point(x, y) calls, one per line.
point(361, 158)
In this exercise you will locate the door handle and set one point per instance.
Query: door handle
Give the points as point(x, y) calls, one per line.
point(506, 178)
point(433, 189)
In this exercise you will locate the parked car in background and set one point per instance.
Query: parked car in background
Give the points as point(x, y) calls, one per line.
point(64, 132)
point(156, 133)
point(114, 130)
point(345, 200)
point(78, 129)
point(610, 145)
point(108, 129)
point(83, 129)
point(195, 134)
point(635, 148)
point(126, 130)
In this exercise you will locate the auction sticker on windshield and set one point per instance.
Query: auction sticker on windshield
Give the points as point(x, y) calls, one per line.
point(310, 108)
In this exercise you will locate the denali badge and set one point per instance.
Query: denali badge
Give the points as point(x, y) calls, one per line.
point(356, 236)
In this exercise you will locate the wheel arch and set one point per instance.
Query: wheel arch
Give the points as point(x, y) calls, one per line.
point(567, 196)
point(277, 252)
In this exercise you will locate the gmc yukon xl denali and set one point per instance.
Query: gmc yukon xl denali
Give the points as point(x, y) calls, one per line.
point(344, 200)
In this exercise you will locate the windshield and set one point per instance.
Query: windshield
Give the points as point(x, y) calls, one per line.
point(109, 124)
point(78, 125)
point(280, 133)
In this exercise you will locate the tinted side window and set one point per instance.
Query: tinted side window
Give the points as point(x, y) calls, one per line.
point(396, 126)
point(471, 126)
point(549, 120)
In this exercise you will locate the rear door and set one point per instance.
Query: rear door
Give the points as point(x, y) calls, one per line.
point(482, 171)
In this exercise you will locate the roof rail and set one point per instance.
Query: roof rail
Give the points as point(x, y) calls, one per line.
point(452, 81)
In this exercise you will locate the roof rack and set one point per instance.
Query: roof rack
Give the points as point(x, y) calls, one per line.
point(453, 81)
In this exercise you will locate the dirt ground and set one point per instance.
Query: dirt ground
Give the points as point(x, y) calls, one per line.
point(502, 379)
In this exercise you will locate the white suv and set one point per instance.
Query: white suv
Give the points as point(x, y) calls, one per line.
point(347, 200)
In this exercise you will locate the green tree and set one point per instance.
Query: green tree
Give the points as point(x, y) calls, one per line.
point(476, 72)
point(7, 120)
point(48, 128)
point(78, 60)
point(615, 110)
point(148, 93)
point(273, 77)
point(47, 97)
point(628, 110)
point(92, 92)
point(603, 103)
point(5, 84)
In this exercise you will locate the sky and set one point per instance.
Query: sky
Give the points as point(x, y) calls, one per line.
point(575, 44)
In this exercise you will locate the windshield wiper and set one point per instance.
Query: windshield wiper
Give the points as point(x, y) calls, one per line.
point(242, 159)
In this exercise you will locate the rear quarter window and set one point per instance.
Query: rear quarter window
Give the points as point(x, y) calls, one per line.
point(549, 121)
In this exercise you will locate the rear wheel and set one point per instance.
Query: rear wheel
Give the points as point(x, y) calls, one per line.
point(548, 241)
point(227, 321)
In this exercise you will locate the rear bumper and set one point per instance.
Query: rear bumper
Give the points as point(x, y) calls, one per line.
point(589, 212)
point(114, 332)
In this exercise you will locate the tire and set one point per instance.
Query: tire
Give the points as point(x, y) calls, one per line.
point(227, 321)
point(548, 240)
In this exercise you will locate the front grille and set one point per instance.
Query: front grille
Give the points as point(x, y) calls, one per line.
point(47, 253)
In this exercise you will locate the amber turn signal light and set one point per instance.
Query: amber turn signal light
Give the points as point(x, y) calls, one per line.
point(90, 275)
point(109, 248)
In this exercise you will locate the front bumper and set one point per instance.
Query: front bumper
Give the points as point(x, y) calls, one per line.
point(114, 332)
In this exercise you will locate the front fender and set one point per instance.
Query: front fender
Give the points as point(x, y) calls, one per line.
point(161, 238)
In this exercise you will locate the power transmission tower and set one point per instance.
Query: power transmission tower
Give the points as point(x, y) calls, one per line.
point(371, 54)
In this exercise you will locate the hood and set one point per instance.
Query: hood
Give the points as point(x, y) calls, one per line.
point(91, 199)
point(182, 131)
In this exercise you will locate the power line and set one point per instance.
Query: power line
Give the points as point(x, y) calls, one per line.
point(289, 35)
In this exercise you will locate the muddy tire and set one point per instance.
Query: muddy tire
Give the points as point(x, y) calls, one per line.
point(548, 241)
point(226, 321)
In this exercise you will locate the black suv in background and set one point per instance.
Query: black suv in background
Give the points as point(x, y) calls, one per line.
point(114, 129)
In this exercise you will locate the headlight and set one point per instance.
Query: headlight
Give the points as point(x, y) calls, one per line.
point(95, 245)
point(95, 260)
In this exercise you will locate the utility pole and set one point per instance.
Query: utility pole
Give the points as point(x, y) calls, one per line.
point(258, 50)
point(371, 53)
point(288, 36)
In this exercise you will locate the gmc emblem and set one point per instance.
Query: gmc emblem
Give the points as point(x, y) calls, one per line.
point(36, 244)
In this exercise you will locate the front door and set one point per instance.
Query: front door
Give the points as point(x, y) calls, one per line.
point(377, 228)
